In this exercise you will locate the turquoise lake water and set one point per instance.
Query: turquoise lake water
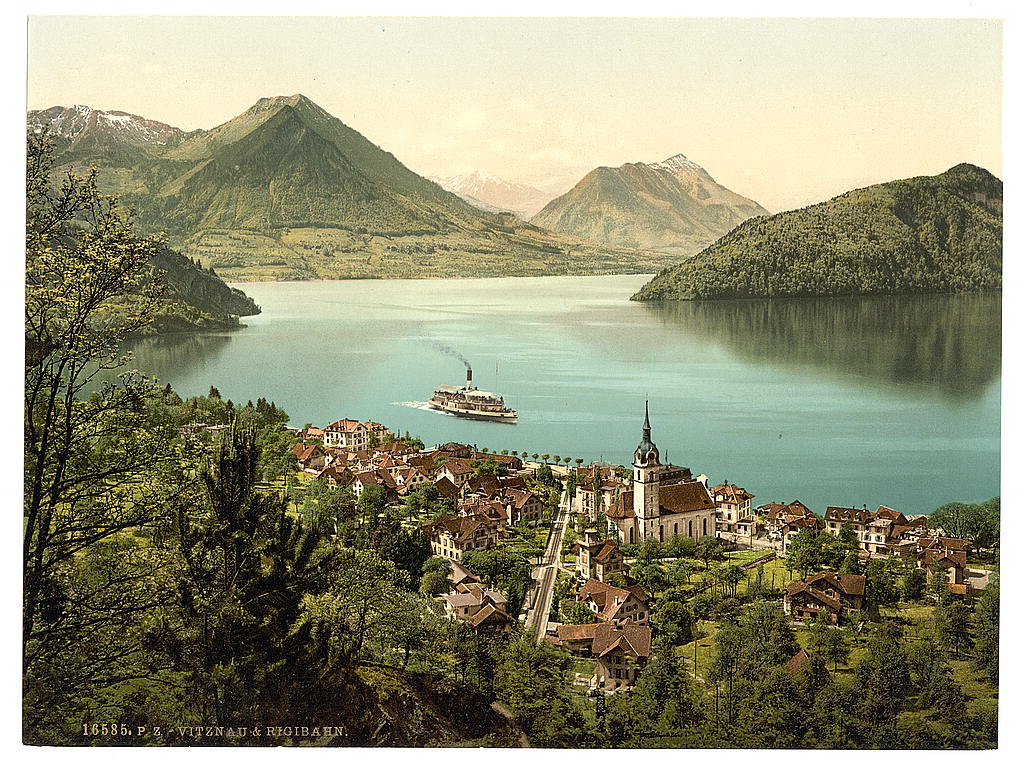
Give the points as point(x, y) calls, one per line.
point(844, 401)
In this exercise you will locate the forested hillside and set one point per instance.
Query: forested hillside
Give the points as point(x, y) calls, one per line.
point(925, 234)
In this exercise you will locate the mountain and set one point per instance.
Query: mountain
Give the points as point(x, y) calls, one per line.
point(924, 234)
point(673, 206)
point(287, 191)
point(495, 193)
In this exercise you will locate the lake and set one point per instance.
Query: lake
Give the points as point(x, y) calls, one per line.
point(839, 401)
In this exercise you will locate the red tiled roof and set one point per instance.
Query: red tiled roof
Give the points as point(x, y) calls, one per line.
point(490, 615)
point(684, 497)
point(627, 635)
point(345, 425)
point(446, 488)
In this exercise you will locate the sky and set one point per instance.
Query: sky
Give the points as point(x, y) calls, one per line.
point(786, 111)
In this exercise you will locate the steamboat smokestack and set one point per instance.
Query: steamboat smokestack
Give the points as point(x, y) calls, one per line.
point(469, 378)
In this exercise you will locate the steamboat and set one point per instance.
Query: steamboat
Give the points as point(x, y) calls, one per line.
point(468, 402)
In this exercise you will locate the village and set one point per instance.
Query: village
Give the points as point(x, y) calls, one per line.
point(604, 542)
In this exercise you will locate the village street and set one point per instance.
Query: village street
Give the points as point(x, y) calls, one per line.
point(545, 574)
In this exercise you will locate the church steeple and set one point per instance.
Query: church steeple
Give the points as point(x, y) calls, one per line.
point(646, 452)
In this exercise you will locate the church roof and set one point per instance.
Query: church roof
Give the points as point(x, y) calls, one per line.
point(684, 497)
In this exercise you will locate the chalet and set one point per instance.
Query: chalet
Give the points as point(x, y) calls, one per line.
point(734, 507)
point(347, 434)
point(492, 510)
point(375, 477)
point(838, 595)
point(953, 563)
point(598, 558)
point(770, 518)
point(450, 535)
point(521, 505)
point(457, 470)
point(475, 605)
point(335, 477)
point(408, 478)
point(609, 602)
point(621, 650)
point(793, 524)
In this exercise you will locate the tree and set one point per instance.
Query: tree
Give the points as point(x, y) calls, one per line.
point(848, 536)
point(803, 554)
point(649, 550)
point(829, 643)
point(879, 588)
point(882, 676)
point(977, 523)
point(953, 626)
point(245, 569)
point(986, 641)
point(708, 550)
point(92, 462)
point(912, 585)
point(730, 576)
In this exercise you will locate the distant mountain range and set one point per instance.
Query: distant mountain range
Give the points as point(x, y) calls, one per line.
point(924, 234)
point(287, 191)
point(491, 193)
point(673, 206)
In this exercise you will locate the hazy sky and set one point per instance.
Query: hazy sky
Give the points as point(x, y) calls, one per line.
point(788, 112)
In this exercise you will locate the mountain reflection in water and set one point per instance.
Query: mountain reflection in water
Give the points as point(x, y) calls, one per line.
point(950, 343)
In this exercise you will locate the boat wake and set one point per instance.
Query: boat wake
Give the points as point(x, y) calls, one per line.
point(416, 405)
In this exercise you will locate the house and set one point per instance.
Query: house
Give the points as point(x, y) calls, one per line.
point(377, 432)
point(451, 535)
point(347, 434)
point(609, 602)
point(446, 488)
point(733, 506)
point(838, 595)
point(793, 524)
point(375, 477)
point(335, 477)
point(951, 562)
point(598, 558)
point(311, 433)
point(590, 502)
point(522, 505)
point(621, 650)
point(512, 463)
point(770, 519)
point(664, 501)
point(456, 450)
point(878, 532)
point(457, 470)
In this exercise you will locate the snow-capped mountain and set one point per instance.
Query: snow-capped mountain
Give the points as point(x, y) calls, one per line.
point(79, 122)
point(481, 186)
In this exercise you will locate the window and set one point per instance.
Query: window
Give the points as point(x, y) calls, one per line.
point(705, 526)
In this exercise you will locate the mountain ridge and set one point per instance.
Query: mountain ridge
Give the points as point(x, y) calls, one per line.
point(940, 233)
point(674, 205)
point(286, 191)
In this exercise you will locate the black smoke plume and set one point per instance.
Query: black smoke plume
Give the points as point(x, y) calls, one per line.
point(449, 351)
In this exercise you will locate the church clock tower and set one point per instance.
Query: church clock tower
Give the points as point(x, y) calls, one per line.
point(646, 472)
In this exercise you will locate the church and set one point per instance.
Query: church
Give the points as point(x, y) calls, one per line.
point(665, 500)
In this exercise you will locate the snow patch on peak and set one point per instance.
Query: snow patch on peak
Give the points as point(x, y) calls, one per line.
point(680, 165)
